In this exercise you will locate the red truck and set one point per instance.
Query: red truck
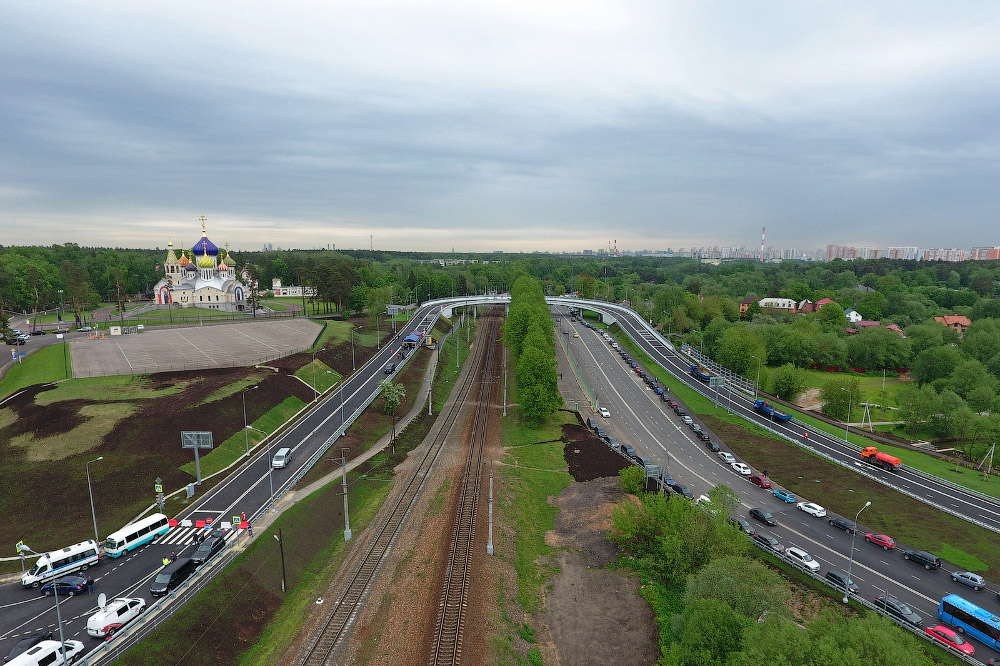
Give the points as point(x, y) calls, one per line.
point(884, 460)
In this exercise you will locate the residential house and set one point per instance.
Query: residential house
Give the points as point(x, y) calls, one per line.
point(786, 304)
point(823, 301)
point(957, 322)
point(853, 316)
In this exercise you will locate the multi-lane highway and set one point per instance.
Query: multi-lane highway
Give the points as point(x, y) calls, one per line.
point(641, 419)
point(248, 490)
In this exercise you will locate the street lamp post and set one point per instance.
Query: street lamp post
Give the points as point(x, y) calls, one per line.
point(850, 562)
point(343, 476)
point(281, 547)
point(757, 382)
point(60, 305)
point(246, 430)
point(93, 514)
point(353, 366)
point(850, 403)
point(315, 392)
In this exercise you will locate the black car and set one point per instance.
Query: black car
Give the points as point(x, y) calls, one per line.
point(26, 644)
point(743, 525)
point(890, 605)
point(703, 436)
point(600, 432)
point(611, 442)
point(212, 544)
point(710, 445)
point(627, 450)
point(591, 423)
point(841, 581)
point(927, 560)
point(639, 461)
point(843, 524)
point(679, 411)
point(39, 331)
point(768, 542)
point(763, 516)
point(667, 478)
point(68, 585)
point(681, 489)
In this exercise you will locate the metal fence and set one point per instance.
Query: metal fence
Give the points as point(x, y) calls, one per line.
point(176, 367)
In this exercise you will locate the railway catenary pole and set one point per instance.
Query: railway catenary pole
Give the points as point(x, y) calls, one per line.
point(343, 476)
point(489, 542)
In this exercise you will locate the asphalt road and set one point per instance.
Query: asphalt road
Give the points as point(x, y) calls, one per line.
point(640, 418)
point(248, 489)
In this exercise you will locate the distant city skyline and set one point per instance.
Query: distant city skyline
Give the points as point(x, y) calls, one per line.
point(500, 125)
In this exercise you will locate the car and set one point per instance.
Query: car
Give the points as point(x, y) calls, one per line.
point(39, 331)
point(922, 557)
point(68, 585)
point(658, 390)
point(951, 638)
point(14, 341)
point(763, 516)
point(761, 480)
point(214, 542)
point(687, 420)
point(843, 524)
point(726, 457)
point(712, 446)
point(671, 403)
point(742, 524)
point(681, 489)
point(741, 468)
point(783, 495)
point(27, 643)
point(841, 580)
point(886, 542)
point(24, 337)
point(603, 411)
point(667, 478)
point(601, 432)
point(389, 368)
point(664, 398)
point(695, 428)
point(801, 558)
point(890, 605)
point(702, 435)
point(627, 450)
point(812, 509)
point(85, 329)
point(17, 332)
point(975, 581)
point(768, 542)
point(576, 335)
point(61, 329)
point(591, 423)
point(114, 615)
point(611, 442)
point(678, 411)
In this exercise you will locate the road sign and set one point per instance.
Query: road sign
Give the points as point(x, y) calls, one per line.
point(17, 547)
point(196, 439)
point(157, 487)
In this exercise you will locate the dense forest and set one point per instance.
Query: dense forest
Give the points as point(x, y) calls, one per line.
point(956, 372)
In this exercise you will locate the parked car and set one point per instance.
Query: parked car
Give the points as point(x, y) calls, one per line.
point(896, 608)
point(763, 516)
point(14, 341)
point(812, 509)
point(50, 652)
point(885, 542)
point(922, 557)
point(841, 580)
point(973, 580)
point(591, 423)
point(687, 420)
point(671, 403)
point(39, 331)
point(628, 450)
point(67, 585)
point(951, 638)
point(27, 643)
point(761, 480)
point(726, 457)
point(679, 412)
point(611, 442)
point(212, 544)
point(783, 495)
point(843, 524)
point(61, 329)
point(741, 468)
point(768, 541)
point(801, 558)
point(702, 435)
point(681, 489)
point(603, 411)
point(600, 432)
point(712, 446)
point(742, 524)
point(114, 615)
point(85, 329)
point(667, 478)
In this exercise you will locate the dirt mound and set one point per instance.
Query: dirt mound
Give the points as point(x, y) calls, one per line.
point(587, 456)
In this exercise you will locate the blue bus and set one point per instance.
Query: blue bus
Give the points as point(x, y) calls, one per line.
point(132, 536)
point(970, 619)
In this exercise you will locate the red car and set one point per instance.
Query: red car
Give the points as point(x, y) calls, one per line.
point(950, 638)
point(886, 542)
point(761, 481)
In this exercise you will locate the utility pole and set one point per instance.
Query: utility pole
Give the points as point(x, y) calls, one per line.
point(343, 476)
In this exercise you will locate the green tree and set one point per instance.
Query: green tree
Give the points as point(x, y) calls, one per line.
point(969, 375)
point(709, 631)
point(632, 480)
point(916, 405)
point(935, 363)
point(745, 584)
point(839, 394)
point(831, 317)
point(392, 396)
point(740, 349)
point(924, 336)
point(788, 381)
point(872, 305)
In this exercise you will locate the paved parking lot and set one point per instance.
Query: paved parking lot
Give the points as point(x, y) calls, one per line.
point(192, 348)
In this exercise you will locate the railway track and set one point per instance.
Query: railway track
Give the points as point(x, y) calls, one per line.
point(446, 646)
point(344, 610)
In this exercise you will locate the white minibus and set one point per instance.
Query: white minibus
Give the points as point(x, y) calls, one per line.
point(61, 562)
point(135, 534)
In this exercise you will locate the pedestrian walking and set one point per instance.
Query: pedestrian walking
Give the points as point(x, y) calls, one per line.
point(250, 530)
point(166, 561)
point(173, 556)
point(90, 586)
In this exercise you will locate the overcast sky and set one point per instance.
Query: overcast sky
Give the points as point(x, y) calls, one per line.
point(506, 124)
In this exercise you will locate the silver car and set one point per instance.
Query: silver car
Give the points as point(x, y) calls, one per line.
point(975, 581)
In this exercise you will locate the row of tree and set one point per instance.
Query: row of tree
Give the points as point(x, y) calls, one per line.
point(528, 334)
point(719, 605)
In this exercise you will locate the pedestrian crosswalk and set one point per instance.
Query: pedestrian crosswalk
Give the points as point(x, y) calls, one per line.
point(182, 536)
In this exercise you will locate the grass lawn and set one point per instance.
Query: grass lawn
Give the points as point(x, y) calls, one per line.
point(114, 387)
point(275, 304)
point(318, 374)
point(48, 364)
point(871, 387)
point(235, 447)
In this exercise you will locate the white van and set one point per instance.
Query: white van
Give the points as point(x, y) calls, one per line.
point(113, 615)
point(48, 653)
point(281, 458)
point(77, 557)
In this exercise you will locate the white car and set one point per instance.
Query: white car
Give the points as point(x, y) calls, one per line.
point(726, 457)
point(812, 509)
point(114, 615)
point(742, 468)
point(802, 558)
point(604, 412)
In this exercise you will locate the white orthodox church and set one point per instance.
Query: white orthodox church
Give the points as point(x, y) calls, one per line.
point(206, 279)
